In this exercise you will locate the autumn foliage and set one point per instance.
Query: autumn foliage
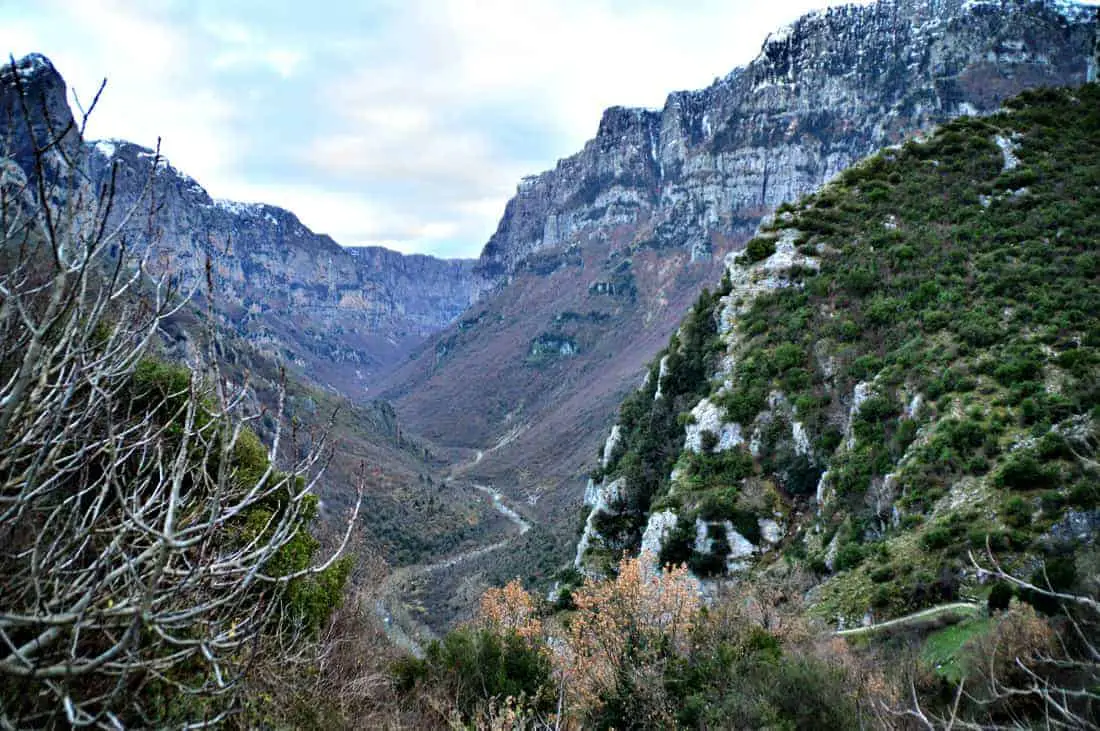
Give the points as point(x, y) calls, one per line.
point(510, 609)
point(625, 629)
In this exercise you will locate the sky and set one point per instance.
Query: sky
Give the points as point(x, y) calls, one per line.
point(400, 123)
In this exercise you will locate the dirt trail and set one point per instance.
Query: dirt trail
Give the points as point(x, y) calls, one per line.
point(972, 608)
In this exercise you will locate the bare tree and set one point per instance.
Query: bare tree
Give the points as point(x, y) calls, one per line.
point(147, 538)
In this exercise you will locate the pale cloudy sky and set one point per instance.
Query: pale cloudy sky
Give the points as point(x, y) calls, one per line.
point(404, 123)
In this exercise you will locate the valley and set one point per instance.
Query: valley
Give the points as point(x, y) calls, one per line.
point(777, 406)
point(402, 626)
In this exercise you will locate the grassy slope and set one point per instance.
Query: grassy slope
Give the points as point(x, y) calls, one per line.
point(945, 274)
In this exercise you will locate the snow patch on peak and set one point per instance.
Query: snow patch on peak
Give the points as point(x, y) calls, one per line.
point(107, 148)
point(238, 208)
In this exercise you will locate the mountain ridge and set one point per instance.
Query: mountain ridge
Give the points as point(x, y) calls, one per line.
point(372, 305)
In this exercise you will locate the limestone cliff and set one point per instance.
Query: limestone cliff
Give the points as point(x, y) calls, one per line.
point(823, 92)
point(608, 249)
point(897, 371)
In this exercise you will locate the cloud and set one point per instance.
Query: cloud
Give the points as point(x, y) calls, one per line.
point(401, 122)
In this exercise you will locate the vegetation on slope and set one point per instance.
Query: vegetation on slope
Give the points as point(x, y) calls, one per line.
point(152, 551)
point(954, 297)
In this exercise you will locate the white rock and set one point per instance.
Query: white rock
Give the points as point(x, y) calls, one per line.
point(860, 394)
point(801, 439)
point(611, 445)
point(661, 373)
point(740, 551)
point(740, 547)
point(591, 490)
point(708, 418)
point(912, 409)
point(657, 530)
point(602, 496)
point(1008, 151)
point(702, 536)
point(770, 530)
point(831, 551)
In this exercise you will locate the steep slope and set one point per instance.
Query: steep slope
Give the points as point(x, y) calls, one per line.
point(900, 369)
point(341, 315)
point(602, 252)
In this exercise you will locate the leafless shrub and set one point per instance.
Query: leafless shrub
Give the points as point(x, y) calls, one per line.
point(1027, 671)
point(145, 534)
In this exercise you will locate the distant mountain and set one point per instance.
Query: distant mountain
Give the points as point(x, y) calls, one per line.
point(340, 315)
point(282, 295)
point(603, 253)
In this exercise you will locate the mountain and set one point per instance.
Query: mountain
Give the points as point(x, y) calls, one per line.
point(282, 295)
point(898, 370)
point(866, 467)
point(601, 254)
point(340, 315)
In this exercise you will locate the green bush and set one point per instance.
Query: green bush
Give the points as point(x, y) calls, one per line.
point(1023, 471)
point(1000, 596)
point(759, 248)
point(787, 356)
point(475, 666)
point(1016, 512)
point(849, 556)
point(882, 574)
point(936, 538)
point(679, 543)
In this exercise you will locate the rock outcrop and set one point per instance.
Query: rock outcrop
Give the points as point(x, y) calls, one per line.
point(882, 388)
point(639, 220)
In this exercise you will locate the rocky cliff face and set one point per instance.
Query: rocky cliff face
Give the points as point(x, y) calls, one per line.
point(341, 315)
point(344, 314)
point(824, 92)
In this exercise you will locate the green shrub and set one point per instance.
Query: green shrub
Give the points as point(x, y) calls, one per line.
point(1023, 471)
point(679, 543)
point(882, 574)
point(1000, 596)
point(475, 666)
point(787, 356)
point(1016, 512)
point(759, 248)
point(849, 556)
point(936, 538)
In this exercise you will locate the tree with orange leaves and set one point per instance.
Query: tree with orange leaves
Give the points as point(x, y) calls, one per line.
point(622, 635)
point(511, 609)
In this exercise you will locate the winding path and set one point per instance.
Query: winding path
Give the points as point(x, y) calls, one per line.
point(970, 607)
point(405, 630)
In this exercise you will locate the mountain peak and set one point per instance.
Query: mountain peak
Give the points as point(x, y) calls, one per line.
point(31, 68)
point(34, 111)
